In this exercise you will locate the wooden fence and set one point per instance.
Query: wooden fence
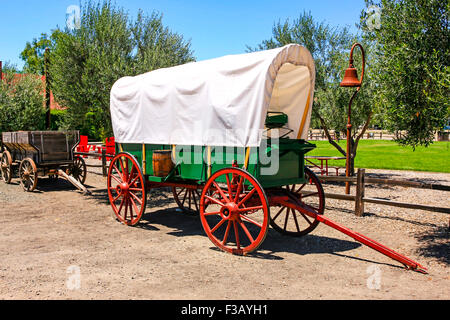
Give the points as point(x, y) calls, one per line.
point(103, 155)
point(359, 198)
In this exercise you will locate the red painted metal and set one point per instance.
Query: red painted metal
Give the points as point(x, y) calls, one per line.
point(293, 203)
point(351, 80)
point(351, 75)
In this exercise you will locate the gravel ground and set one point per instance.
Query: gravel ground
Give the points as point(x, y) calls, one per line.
point(58, 244)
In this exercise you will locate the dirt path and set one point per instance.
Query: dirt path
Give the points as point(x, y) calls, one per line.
point(56, 243)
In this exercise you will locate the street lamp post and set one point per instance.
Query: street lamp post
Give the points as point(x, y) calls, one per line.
point(351, 80)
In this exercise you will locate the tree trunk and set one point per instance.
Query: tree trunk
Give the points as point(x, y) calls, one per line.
point(353, 142)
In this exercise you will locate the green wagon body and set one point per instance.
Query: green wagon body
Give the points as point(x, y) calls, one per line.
point(192, 161)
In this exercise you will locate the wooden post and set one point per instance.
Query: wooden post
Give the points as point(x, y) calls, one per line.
point(359, 199)
point(104, 162)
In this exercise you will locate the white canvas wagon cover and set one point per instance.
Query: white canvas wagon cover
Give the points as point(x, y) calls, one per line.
point(217, 102)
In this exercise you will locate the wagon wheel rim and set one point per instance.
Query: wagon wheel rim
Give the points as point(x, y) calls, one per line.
point(294, 223)
point(78, 169)
point(188, 200)
point(126, 189)
point(28, 174)
point(235, 216)
point(5, 167)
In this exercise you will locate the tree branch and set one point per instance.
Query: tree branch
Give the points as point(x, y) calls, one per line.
point(361, 134)
point(327, 133)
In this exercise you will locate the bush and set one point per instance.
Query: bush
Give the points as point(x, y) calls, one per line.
point(21, 103)
point(57, 118)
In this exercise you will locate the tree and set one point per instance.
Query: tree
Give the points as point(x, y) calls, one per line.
point(330, 47)
point(85, 62)
point(413, 49)
point(33, 54)
point(21, 102)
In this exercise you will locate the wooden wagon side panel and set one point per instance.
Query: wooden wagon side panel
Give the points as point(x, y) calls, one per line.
point(42, 146)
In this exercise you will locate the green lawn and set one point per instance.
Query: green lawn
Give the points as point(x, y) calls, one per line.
point(385, 154)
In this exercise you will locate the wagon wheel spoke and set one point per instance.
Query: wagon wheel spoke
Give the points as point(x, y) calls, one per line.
point(279, 212)
point(121, 205)
point(300, 189)
point(227, 231)
point(246, 231)
point(306, 218)
point(286, 219)
point(118, 172)
point(236, 235)
point(190, 199)
point(223, 211)
point(222, 194)
point(129, 185)
point(131, 175)
point(251, 221)
point(296, 221)
point(212, 213)
point(136, 198)
point(195, 201)
point(313, 200)
point(239, 189)
point(116, 198)
point(217, 226)
point(214, 200)
point(250, 209)
point(28, 174)
point(186, 199)
point(309, 195)
point(248, 196)
point(230, 189)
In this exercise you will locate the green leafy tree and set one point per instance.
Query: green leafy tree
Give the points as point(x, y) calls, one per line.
point(330, 47)
point(85, 62)
point(21, 102)
point(413, 49)
point(33, 54)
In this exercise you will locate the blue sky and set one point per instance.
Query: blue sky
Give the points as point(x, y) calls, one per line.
point(216, 28)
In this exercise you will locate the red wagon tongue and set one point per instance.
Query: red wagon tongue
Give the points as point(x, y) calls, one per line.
point(295, 204)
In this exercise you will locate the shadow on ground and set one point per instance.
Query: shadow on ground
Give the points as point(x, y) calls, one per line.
point(161, 210)
point(436, 244)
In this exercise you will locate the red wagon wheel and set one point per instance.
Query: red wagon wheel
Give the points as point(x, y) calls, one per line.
point(28, 174)
point(234, 211)
point(187, 199)
point(5, 166)
point(78, 169)
point(126, 189)
point(293, 222)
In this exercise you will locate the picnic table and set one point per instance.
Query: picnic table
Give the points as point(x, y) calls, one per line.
point(323, 159)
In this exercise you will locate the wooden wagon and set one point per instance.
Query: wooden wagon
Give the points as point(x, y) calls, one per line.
point(34, 154)
point(228, 136)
